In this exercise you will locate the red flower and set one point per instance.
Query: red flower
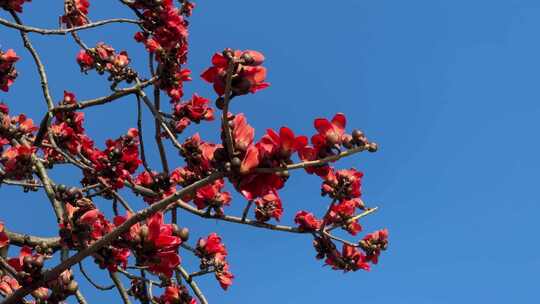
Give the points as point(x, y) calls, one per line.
point(15, 5)
point(243, 135)
point(213, 254)
point(268, 206)
point(341, 212)
point(248, 76)
point(176, 294)
point(307, 221)
point(96, 221)
point(212, 196)
point(85, 60)
point(343, 184)
point(4, 240)
point(374, 243)
point(194, 110)
point(75, 13)
point(17, 161)
point(330, 133)
point(8, 285)
point(7, 68)
point(155, 244)
point(281, 145)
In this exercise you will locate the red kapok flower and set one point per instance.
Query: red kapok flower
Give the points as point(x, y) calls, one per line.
point(15, 5)
point(4, 240)
point(330, 133)
point(267, 207)
point(7, 68)
point(248, 76)
point(307, 221)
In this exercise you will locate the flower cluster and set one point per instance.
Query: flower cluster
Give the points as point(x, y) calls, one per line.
point(175, 294)
point(165, 36)
point(68, 132)
point(267, 207)
point(103, 58)
point(212, 196)
point(374, 243)
point(306, 221)
point(114, 165)
point(248, 76)
point(194, 110)
point(4, 240)
point(154, 243)
point(344, 186)
point(8, 285)
point(75, 12)
point(13, 5)
point(8, 73)
point(213, 256)
point(87, 224)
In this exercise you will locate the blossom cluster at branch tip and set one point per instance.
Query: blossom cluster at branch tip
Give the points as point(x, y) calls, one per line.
point(165, 35)
point(193, 110)
point(248, 76)
point(213, 255)
point(175, 294)
point(153, 243)
point(8, 73)
point(75, 13)
point(103, 58)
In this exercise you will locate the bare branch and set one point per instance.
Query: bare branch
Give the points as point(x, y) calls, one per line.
point(31, 29)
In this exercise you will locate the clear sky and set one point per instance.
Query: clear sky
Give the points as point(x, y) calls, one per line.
point(447, 88)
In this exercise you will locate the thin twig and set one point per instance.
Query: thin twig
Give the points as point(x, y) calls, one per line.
point(96, 285)
point(121, 290)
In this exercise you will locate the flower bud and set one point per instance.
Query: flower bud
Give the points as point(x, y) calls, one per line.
point(252, 58)
point(372, 147)
point(184, 234)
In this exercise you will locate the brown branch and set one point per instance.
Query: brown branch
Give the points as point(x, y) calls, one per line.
point(31, 29)
point(109, 237)
point(225, 115)
point(193, 285)
point(105, 99)
point(157, 135)
point(312, 163)
point(96, 285)
point(158, 117)
point(121, 290)
point(237, 220)
point(20, 240)
point(80, 298)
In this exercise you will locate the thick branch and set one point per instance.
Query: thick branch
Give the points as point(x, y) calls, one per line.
point(19, 239)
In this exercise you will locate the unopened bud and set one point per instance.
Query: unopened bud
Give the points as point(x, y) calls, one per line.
point(372, 147)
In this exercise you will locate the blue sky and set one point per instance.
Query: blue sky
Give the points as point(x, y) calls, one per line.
point(447, 88)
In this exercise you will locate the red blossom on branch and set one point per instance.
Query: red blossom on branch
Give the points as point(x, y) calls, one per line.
point(8, 73)
point(75, 12)
point(248, 74)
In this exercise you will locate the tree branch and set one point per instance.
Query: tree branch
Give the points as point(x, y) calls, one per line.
point(31, 29)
